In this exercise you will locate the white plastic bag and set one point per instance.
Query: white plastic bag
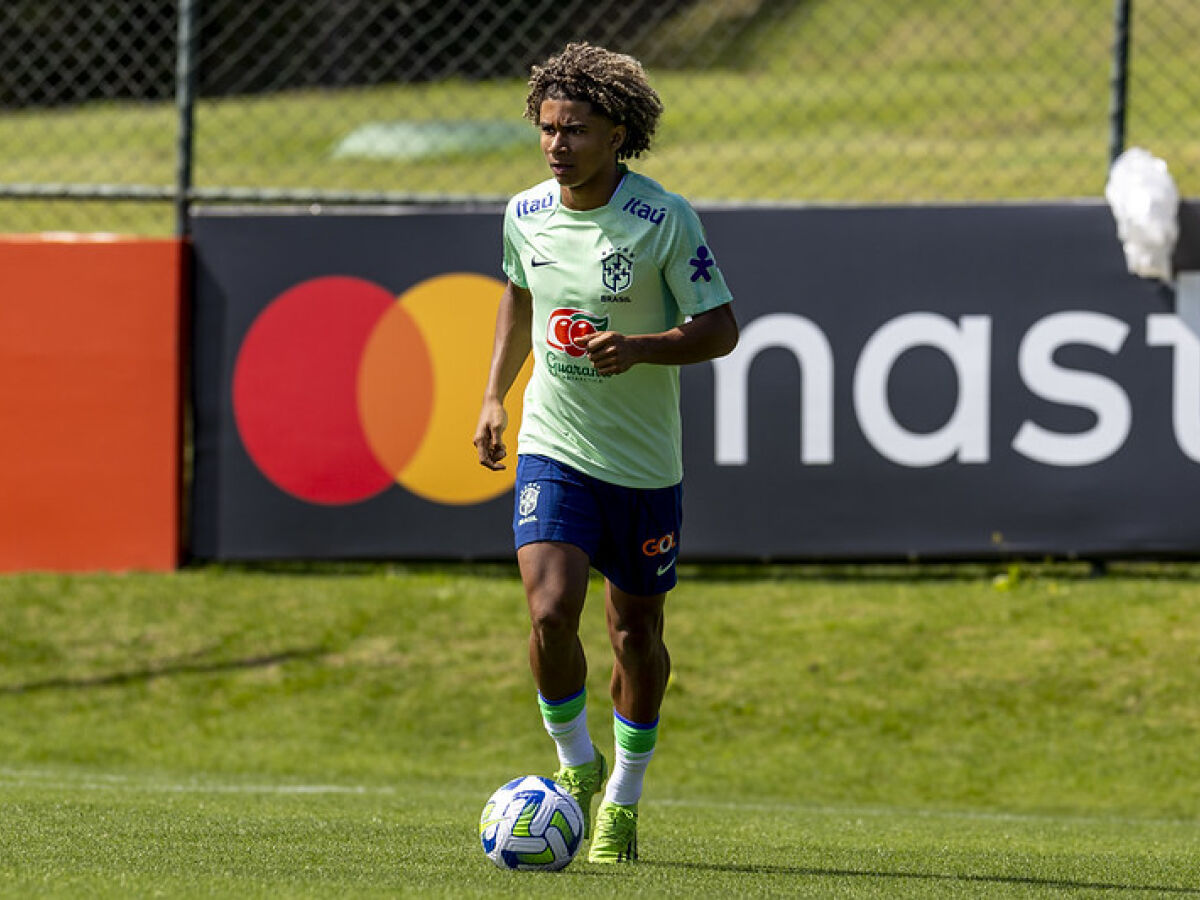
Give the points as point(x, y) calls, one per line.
point(1145, 203)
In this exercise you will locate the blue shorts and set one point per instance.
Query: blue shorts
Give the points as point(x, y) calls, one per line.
point(630, 535)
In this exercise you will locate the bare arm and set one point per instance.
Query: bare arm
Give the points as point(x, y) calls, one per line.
point(509, 351)
point(706, 336)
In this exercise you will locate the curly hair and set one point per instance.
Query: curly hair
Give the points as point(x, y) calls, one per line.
point(613, 83)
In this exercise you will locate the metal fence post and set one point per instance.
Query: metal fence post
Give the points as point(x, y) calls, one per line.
point(185, 102)
point(1119, 81)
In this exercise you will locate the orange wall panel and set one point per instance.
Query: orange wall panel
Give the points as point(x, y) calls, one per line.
point(89, 403)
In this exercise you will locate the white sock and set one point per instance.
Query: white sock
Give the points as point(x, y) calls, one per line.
point(625, 783)
point(572, 740)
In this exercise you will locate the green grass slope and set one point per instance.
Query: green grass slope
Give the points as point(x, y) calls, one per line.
point(825, 101)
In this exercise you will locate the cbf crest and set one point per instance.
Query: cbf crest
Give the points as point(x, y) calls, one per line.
point(528, 500)
point(617, 269)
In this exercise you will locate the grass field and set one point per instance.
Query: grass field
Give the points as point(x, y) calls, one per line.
point(872, 732)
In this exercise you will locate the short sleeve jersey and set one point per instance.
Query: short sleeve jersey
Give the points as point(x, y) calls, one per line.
point(638, 265)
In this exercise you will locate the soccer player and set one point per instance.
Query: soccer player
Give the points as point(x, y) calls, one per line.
point(611, 286)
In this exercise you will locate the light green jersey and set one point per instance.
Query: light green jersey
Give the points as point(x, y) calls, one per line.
point(638, 265)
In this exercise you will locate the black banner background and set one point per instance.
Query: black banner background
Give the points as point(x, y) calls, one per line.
point(848, 271)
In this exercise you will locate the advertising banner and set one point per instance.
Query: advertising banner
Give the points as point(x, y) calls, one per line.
point(929, 382)
point(339, 367)
point(89, 403)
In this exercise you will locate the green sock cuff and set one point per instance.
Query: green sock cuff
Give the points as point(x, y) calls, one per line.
point(564, 710)
point(632, 737)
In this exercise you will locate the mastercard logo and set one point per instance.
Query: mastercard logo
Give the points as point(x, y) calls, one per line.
point(342, 390)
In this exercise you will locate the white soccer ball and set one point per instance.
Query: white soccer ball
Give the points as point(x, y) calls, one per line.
point(531, 823)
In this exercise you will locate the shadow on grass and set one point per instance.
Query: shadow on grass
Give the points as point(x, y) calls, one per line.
point(163, 669)
point(894, 571)
point(1179, 569)
point(1031, 881)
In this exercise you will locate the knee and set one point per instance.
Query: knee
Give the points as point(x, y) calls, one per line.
point(636, 639)
point(552, 621)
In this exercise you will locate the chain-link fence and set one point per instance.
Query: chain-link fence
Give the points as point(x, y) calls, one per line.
point(116, 114)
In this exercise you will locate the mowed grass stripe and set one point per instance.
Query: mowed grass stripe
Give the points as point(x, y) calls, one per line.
point(55, 780)
point(424, 844)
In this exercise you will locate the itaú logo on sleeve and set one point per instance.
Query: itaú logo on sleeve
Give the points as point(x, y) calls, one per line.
point(342, 390)
point(568, 328)
point(965, 435)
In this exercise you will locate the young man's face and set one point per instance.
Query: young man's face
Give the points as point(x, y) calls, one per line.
point(580, 145)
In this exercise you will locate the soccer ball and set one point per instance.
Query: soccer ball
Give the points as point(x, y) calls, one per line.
point(531, 823)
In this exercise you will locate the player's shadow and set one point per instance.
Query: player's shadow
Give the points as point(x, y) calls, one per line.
point(1016, 880)
point(163, 669)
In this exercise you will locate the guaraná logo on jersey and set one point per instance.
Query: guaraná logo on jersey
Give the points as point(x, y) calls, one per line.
point(568, 329)
point(341, 389)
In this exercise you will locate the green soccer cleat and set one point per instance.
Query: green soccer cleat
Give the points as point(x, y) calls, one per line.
point(582, 782)
point(616, 834)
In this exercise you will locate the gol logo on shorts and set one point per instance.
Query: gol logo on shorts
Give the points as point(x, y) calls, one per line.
point(341, 389)
point(659, 546)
